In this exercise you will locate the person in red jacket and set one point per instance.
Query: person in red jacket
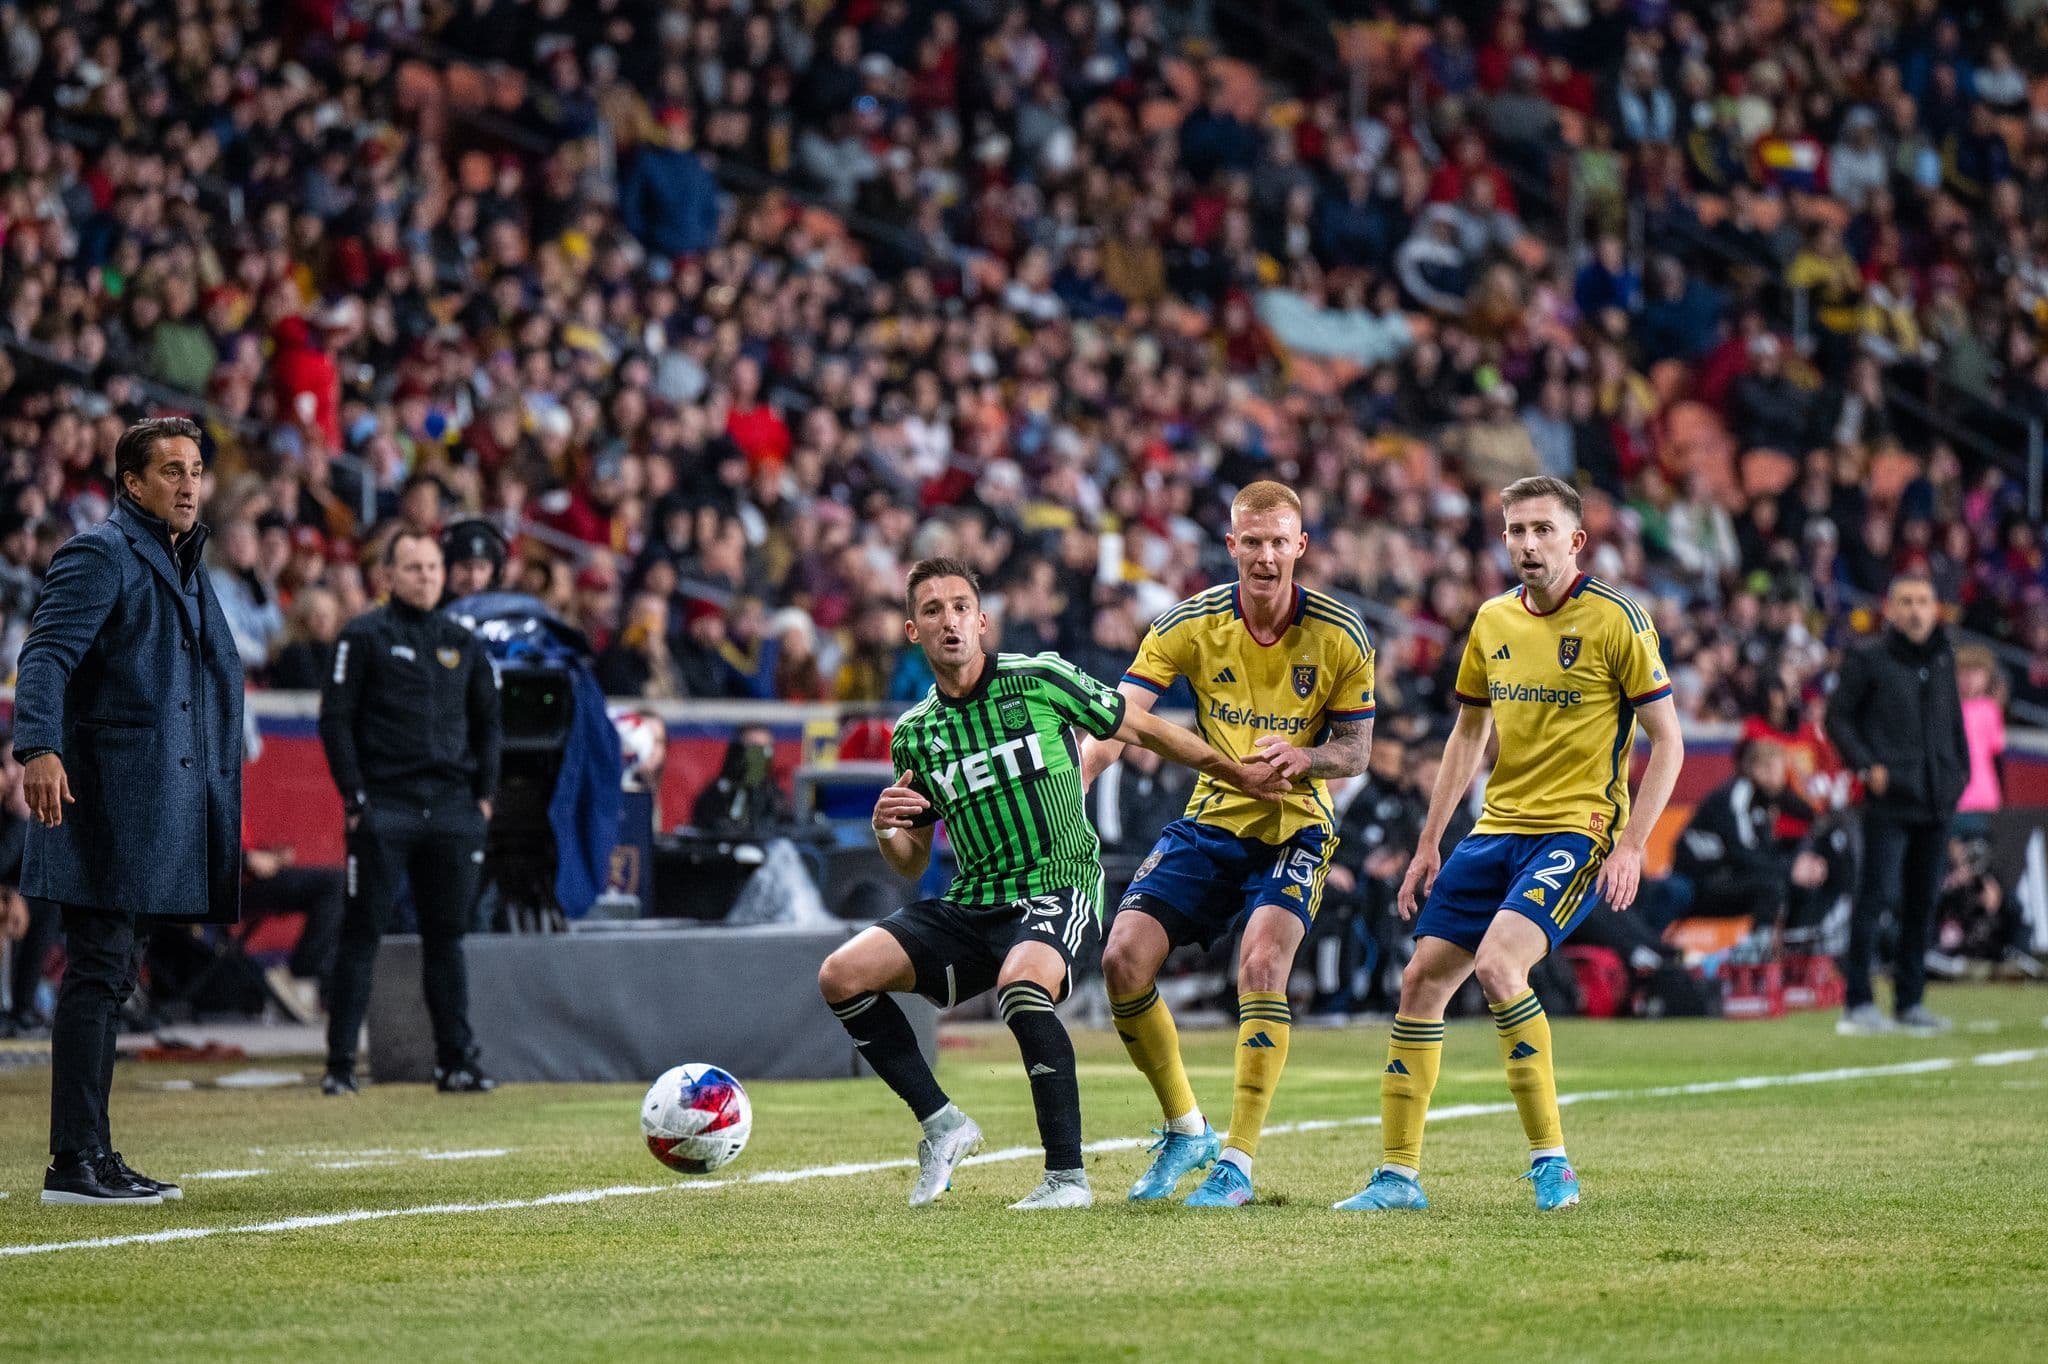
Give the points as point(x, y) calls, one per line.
point(306, 381)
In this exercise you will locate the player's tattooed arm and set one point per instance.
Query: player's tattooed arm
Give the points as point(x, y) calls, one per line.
point(1343, 754)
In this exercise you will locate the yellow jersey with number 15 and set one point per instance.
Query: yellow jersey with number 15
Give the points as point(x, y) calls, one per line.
point(1563, 687)
point(1318, 673)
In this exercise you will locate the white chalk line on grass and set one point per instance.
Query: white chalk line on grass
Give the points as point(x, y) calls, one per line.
point(315, 1221)
point(359, 1160)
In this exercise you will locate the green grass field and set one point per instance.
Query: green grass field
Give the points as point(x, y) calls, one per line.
point(1888, 1216)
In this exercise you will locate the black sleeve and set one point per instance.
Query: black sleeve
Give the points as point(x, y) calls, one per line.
point(486, 729)
point(1852, 686)
point(341, 696)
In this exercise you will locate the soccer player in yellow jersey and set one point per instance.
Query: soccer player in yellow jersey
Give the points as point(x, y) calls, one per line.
point(1280, 674)
point(1565, 667)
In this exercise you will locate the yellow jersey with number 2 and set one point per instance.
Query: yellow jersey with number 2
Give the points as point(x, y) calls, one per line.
point(1563, 687)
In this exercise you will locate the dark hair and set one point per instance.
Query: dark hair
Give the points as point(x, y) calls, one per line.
point(137, 446)
point(924, 570)
point(1913, 574)
point(409, 533)
point(1542, 485)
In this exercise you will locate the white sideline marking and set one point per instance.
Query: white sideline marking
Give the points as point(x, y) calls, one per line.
point(336, 1219)
point(225, 1174)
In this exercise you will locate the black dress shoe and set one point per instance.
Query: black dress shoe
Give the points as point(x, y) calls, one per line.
point(94, 1177)
point(339, 1082)
point(170, 1193)
point(463, 1080)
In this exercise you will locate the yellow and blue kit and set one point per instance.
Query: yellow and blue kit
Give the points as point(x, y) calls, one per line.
point(1232, 853)
point(1563, 687)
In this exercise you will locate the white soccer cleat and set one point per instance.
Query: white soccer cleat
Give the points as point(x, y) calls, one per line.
point(937, 1158)
point(1061, 1189)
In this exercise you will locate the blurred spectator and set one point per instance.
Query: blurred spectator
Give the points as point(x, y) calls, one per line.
point(305, 659)
point(744, 798)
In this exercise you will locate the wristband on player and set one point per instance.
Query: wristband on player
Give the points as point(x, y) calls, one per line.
point(886, 834)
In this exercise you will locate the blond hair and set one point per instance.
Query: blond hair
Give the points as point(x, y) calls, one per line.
point(1264, 496)
point(1542, 485)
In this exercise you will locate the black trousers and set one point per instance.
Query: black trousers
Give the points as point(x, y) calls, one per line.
point(101, 963)
point(440, 849)
point(315, 892)
point(1902, 866)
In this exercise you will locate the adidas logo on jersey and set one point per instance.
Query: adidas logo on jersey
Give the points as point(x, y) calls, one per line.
point(1226, 676)
point(1042, 926)
point(1533, 893)
point(1040, 1069)
point(1395, 1067)
point(1292, 890)
point(1522, 1052)
point(1258, 1039)
point(1501, 652)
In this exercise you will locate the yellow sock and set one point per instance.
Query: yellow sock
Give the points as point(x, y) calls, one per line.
point(1263, 1027)
point(1525, 1050)
point(1146, 1026)
point(1414, 1056)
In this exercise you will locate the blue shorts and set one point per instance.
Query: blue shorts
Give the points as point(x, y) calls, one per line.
point(1546, 878)
point(1199, 880)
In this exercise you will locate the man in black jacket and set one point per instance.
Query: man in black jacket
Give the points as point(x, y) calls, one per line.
point(128, 725)
point(1729, 852)
point(409, 719)
point(1897, 719)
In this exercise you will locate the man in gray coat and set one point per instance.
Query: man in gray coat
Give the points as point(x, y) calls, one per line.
point(128, 721)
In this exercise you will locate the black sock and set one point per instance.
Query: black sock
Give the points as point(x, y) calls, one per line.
point(888, 1044)
point(1049, 1061)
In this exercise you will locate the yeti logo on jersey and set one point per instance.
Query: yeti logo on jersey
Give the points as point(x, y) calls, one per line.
point(1568, 650)
point(1304, 679)
point(1012, 713)
point(981, 771)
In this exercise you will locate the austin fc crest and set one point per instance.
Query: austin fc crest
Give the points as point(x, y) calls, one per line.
point(1011, 711)
point(1304, 679)
point(1568, 650)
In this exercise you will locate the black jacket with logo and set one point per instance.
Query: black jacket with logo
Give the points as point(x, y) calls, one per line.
point(409, 709)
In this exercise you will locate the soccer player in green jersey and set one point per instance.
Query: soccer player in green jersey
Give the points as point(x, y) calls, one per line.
point(990, 750)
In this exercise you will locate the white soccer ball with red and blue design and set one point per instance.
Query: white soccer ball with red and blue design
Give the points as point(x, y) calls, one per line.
point(696, 1118)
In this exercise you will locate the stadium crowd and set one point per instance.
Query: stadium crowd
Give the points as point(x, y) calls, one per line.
point(725, 312)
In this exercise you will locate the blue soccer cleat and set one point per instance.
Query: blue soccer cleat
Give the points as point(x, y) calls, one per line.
point(1179, 1153)
point(1226, 1187)
point(1387, 1190)
point(1557, 1184)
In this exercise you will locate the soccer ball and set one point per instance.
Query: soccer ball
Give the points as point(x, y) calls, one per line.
point(696, 1118)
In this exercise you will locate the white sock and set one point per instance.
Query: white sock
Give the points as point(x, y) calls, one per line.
point(943, 1121)
point(1188, 1124)
point(1401, 1170)
point(1546, 1153)
point(1232, 1156)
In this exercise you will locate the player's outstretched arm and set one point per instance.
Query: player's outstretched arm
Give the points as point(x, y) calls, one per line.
point(1190, 749)
point(902, 830)
point(1621, 875)
point(1343, 754)
point(1463, 752)
point(1098, 754)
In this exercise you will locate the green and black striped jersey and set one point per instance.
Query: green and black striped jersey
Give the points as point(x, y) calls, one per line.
point(1001, 767)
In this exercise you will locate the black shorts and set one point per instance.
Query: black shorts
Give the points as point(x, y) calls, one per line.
point(958, 950)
